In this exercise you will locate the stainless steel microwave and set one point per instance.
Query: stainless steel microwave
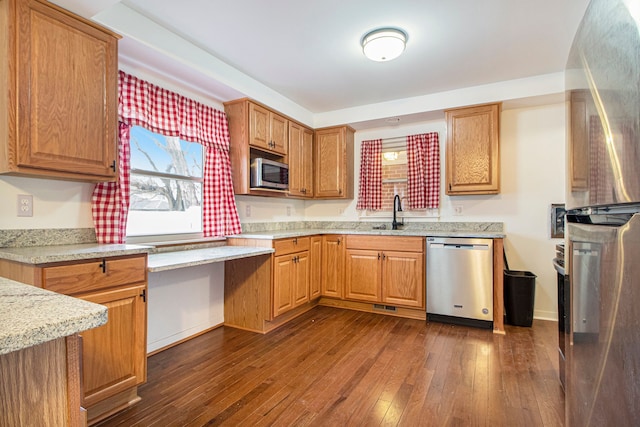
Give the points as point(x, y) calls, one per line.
point(269, 174)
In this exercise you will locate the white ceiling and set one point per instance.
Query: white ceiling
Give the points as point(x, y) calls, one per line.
point(309, 51)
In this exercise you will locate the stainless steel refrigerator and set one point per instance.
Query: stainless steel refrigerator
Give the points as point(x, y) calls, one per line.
point(603, 217)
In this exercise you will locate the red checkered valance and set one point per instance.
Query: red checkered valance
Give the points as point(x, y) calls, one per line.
point(370, 189)
point(168, 113)
point(423, 171)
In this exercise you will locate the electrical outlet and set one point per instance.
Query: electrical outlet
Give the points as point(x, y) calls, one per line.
point(457, 210)
point(247, 211)
point(25, 205)
point(288, 210)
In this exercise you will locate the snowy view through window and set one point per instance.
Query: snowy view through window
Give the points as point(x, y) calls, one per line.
point(166, 185)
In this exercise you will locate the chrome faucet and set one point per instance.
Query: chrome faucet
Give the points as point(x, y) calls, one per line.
point(397, 207)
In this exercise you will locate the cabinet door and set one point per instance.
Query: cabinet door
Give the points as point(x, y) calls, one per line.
point(114, 355)
point(259, 127)
point(283, 284)
point(332, 265)
point(300, 161)
point(315, 274)
point(67, 95)
point(472, 155)
point(306, 160)
point(301, 270)
point(279, 133)
point(363, 275)
point(334, 163)
point(403, 280)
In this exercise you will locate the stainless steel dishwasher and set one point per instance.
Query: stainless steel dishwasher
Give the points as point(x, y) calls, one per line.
point(460, 281)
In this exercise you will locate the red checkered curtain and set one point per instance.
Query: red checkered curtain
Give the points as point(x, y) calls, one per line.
point(423, 171)
point(370, 190)
point(168, 113)
point(110, 200)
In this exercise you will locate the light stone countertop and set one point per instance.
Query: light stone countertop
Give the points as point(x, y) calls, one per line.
point(192, 257)
point(30, 316)
point(282, 234)
point(56, 253)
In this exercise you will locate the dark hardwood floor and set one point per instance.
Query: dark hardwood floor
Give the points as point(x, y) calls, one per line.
point(333, 367)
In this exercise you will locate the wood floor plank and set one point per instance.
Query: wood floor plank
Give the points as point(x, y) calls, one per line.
point(335, 367)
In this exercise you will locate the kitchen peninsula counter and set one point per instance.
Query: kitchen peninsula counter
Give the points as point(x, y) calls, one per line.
point(30, 315)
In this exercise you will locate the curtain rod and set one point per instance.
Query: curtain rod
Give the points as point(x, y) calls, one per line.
point(398, 139)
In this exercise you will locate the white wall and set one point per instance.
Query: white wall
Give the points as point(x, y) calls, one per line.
point(184, 302)
point(56, 204)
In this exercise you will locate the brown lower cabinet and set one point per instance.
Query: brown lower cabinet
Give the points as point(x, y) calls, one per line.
point(333, 265)
point(290, 279)
point(385, 270)
point(114, 360)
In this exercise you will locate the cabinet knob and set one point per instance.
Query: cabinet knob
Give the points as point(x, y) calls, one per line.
point(378, 255)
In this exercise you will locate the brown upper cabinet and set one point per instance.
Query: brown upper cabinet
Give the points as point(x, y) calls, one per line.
point(300, 161)
point(58, 76)
point(267, 130)
point(334, 163)
point(320, 163)
point(473, 154)
point(250, 131)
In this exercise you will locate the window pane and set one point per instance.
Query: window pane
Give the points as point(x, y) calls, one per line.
point(164, 206)
point(165, 154)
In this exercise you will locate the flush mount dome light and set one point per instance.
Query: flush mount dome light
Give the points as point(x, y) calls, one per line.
point(384, 44)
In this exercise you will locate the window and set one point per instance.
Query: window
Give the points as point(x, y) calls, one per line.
point(166, 184)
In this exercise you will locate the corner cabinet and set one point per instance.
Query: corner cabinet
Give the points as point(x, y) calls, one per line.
point(472, 153)
point(114, 358)
point(59, 74)
point(334, 163)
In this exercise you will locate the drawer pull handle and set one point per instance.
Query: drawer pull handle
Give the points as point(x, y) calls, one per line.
point(103, 265)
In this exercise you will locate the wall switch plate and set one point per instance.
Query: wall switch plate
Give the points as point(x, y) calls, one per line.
point(25, 205)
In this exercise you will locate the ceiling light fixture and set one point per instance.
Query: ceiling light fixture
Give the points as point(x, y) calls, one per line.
point(384, 44)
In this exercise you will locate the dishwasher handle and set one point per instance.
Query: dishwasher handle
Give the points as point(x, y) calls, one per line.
point(462, 246)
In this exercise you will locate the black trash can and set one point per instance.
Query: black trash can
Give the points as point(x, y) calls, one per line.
point(519, 297)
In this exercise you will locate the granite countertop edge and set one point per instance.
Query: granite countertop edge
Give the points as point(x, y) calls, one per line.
point(30, 315)
point(194, 257)
point(281, 234)
point(59, 253)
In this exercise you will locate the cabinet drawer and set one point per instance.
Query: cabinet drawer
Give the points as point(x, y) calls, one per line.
point(96, 274)
point(391, 243)
point(288, 246)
